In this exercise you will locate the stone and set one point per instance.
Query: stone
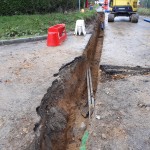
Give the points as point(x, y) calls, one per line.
point(25, 130)
point(94, 134)
point(85, 112)
point(103, 136)
point(83, 126)
point(107, 92)
point(99, 103)
point(140, 105)
point(98, 117)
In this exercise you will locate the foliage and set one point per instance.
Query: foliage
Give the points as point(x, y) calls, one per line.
point(29, 25)
point(145, 3)
point(144, 11)
point(17, 7)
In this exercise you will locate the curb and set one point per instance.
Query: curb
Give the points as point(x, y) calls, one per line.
point(31, 39)
point(22, 40)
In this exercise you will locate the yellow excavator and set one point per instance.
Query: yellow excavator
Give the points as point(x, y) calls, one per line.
point(123, 8)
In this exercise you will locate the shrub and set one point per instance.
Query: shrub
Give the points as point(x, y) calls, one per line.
point(144, 11)
point(13, 7)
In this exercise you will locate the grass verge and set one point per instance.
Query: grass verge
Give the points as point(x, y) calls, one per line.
point(31, 25)
point(144, 11)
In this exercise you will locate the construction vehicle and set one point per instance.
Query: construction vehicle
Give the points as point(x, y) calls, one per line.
point(123, 8)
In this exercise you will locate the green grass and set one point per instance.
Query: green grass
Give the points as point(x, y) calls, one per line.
point(31, 25)
point(144, 11)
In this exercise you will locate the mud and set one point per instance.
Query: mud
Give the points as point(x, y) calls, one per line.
point(61, 107)
point(110, 72)
point(125, 70)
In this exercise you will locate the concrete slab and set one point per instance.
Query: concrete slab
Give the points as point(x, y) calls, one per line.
point(26, 73)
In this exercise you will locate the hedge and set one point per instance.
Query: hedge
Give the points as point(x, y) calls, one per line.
point(13, 7)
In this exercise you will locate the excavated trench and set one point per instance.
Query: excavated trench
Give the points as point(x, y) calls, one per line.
point(65, 106)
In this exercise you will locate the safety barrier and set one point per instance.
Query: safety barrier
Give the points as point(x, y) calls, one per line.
point(56, 35)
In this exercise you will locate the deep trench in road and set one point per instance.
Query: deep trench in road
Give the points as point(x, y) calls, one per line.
point(65, 105)
point(64, 110)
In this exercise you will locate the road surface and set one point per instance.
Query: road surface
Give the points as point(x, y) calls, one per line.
point(121, 120)
point(26, 72)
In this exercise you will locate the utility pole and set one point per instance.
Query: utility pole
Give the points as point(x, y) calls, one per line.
point(79, 5)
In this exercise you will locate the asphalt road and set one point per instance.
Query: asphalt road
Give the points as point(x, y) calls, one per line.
point(126, 43)
point(121, 120)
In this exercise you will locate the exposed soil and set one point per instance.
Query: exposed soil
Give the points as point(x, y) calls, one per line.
point(109, 72)
point(122, 105)
point(64, 107)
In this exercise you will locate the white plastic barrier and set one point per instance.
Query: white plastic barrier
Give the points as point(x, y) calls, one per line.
point(80, 27)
